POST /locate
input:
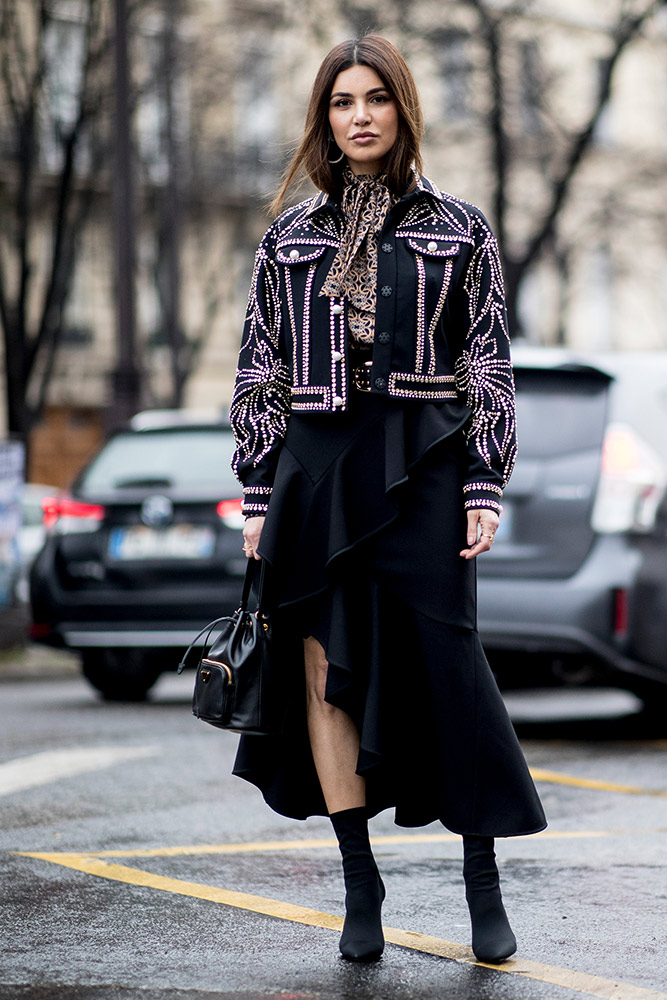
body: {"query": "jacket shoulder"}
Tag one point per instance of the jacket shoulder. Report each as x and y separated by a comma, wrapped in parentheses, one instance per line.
(298, 220)
(293, 215)
(445, 209)
(283, 222)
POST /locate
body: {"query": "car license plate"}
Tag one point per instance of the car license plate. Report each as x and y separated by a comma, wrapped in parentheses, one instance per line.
(179, 541)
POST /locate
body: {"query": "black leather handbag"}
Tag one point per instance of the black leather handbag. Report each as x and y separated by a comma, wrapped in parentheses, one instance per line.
(237, 683)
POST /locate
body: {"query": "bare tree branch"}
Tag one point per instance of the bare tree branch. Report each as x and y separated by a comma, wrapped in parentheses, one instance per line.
(61, 262)
(30, 346)
(7, 35)
(5, 320)
(17, 68)
(626, 30)
(492, 25)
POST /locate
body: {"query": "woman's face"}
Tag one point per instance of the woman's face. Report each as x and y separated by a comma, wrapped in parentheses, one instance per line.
(363, 118)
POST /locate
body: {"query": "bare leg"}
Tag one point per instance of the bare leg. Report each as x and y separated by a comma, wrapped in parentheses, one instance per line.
(334, 739)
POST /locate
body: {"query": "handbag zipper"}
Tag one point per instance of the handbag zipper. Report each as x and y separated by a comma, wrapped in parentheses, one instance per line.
(219, 663)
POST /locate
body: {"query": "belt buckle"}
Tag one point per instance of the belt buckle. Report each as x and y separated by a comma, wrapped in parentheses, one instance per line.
(361, 377)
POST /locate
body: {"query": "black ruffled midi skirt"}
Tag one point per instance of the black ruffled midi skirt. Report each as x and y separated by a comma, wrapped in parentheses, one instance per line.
(363, 535)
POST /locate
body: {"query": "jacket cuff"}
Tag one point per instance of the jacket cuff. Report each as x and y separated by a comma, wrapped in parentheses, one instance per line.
(256, 500)
(488, 495)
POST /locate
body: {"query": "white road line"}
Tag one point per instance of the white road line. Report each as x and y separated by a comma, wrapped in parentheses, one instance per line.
(52, 765)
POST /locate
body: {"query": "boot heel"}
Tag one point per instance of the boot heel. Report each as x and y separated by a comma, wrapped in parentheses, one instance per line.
(362, 939)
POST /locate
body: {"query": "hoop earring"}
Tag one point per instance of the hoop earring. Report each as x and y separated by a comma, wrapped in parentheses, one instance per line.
(331, 139)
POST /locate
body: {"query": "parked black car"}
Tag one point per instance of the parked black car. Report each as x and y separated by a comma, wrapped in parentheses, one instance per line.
(142, 551)
(576, 584)
(146, 547)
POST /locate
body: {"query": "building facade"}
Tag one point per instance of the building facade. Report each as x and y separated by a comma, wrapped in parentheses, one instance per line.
(221, 88)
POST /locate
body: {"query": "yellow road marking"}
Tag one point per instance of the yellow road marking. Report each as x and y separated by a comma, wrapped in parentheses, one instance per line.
(580, 982)
(601, 786)
(324, 842)
(241, 900)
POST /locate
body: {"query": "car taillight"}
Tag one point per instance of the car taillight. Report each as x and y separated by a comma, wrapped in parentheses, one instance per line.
(632, 483)
(621, 613)
(229, 511)
(39, 630)
(66, 514)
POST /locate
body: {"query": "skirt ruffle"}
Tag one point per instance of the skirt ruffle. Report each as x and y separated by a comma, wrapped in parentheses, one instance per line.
(363, 535)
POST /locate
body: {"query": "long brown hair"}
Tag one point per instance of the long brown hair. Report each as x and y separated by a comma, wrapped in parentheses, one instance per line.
(315, 148)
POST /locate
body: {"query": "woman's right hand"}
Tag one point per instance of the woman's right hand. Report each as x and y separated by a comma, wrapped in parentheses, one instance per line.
(252, 530)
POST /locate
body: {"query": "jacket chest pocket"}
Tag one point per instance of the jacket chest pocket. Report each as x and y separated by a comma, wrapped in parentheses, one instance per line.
(435, 260)
(299, 262)
(297, 255)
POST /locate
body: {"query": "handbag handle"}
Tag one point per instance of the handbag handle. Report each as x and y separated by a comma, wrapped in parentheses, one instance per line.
(243, 607)
(247, 583)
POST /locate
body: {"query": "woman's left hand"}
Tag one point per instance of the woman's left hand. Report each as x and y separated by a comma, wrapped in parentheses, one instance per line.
(482, 526)
(252, 532)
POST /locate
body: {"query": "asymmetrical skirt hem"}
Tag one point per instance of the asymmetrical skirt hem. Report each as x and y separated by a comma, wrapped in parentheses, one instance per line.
(363, 535)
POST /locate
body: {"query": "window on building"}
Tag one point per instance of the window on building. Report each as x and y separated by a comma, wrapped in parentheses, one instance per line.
(603, 127)
(76, 336)
(152, 106)
(455, 75)
(596, 293)
(149, 306)
(162, 117)
(64, 57)
(530, 87)
(82, 307)
(256, 115)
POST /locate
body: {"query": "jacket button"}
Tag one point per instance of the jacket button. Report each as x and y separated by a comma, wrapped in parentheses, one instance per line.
(337, 401)
(336, 355)
(432, 246)
(380, 383)
(386, 291)
(384, 337)
(294, 254)
(387, 247)
(337, 309)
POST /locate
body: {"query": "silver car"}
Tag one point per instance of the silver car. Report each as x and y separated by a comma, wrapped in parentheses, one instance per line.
(575, 587)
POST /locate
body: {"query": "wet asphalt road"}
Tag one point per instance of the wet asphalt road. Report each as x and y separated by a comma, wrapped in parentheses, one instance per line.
(589, 897)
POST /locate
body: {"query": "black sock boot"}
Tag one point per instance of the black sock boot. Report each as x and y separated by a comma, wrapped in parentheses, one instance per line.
(362, 939)
(492, 936)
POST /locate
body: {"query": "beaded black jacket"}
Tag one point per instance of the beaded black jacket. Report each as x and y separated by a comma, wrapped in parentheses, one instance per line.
(440, 335)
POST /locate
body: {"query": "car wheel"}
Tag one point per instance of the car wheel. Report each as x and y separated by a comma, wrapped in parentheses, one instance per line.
(121, 674)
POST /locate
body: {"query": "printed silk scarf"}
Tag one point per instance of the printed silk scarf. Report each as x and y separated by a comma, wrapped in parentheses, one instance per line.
(353, 274)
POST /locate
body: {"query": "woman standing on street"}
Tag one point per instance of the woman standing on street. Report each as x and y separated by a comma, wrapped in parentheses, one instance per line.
(374, 417)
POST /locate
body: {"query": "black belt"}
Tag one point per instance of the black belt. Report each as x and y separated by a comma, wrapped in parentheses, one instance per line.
(360, 376)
